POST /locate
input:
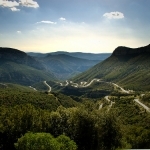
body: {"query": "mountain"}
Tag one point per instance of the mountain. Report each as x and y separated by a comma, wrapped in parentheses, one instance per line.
(37, 54)
(89, 56)
(126, 66)
(17, 56)
(65, 66)
(17, 67)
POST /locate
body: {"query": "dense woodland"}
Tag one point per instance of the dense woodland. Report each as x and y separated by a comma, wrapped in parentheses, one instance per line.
(27, 117)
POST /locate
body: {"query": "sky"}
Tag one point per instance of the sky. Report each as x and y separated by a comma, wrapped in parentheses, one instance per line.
(95, 26)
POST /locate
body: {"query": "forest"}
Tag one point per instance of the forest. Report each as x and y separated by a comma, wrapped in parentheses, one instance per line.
(71, 125)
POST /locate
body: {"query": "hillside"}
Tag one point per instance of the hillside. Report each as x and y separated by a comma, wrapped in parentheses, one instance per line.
(14, 94)
(126, 66)
(64, 66)
(17, 67)
(20, 57)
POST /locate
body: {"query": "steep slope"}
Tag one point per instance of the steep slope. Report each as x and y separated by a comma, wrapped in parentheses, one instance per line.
(65, 66)
(126, 66)
(17, 67)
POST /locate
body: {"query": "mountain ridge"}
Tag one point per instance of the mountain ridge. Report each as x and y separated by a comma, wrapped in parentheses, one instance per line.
(65, 66)
(121, 50)
(125, 66)
(90, 56)
(15, 55)
(17, 67)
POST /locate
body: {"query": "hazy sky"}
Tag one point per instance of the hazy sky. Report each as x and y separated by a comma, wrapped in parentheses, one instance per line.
(96, 26)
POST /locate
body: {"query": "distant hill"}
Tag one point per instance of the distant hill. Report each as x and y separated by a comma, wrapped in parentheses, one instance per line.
(17, 67)
(68, 64)
(37, 54)
(126, 66)
(64, 66)
(89, 56)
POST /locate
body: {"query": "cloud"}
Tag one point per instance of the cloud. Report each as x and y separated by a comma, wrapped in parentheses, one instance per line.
(9, 4)
(29, 3)
(19, 32)
(47, 22)
(13, 4)
(114, 15)
(14, 9)
(62, 19)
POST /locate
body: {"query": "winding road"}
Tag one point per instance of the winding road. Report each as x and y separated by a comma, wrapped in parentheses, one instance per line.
(100, 106)
(82, 84)
(85, 84)
(33, 88)
(67, 83)
(144, 106)
(111, 102)
(123, 90)
(107, 98)
(49, 90)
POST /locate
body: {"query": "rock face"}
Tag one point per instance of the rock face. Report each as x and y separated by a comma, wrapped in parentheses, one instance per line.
(17, 56)
(124, 51)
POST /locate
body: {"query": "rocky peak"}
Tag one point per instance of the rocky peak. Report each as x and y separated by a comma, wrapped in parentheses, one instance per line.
(124, 51)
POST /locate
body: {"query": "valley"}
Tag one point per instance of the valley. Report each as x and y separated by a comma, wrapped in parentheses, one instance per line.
(74, 75)
(65, 65)
(105, 106)
(86, 84)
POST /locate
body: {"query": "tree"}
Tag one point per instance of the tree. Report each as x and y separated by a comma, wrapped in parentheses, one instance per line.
(66, 143)
(109, 133)
(37, 141)
(44, 141)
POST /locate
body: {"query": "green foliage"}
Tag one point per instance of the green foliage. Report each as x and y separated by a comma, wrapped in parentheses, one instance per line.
(146, 99)
(138, 137)
(135, 123)
(83, 125)
(66, 143)
(125, 125)
(17, 95)
(44, 141)
(110, 134)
